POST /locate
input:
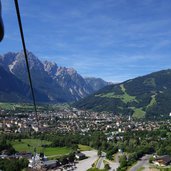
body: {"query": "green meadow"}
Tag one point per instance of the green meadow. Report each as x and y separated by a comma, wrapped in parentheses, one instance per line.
(28, 145)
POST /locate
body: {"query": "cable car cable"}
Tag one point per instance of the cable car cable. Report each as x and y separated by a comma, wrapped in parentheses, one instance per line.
(1, 24)
(26, 58)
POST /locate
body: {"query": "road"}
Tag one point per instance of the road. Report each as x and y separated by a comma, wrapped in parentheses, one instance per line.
(114, 164)
(85, 164)
(141, 163)
(100, 164)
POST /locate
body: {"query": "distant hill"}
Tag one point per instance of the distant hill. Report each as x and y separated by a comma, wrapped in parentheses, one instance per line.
(96, 83)
(143, 97)
(52, 82)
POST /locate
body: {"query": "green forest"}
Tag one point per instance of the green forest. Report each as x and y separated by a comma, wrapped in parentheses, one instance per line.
(147, 97)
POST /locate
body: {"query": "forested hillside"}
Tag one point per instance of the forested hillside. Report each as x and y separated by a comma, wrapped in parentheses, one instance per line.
(147, 96)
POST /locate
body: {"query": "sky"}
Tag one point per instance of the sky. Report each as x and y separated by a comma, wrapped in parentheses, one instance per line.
(115, 40)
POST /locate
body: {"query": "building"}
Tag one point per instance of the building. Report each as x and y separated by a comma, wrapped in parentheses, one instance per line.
(80, 156)
(162, 161)
(50, 164)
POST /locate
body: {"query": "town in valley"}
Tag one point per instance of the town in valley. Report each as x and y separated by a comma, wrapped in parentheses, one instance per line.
(116, 135)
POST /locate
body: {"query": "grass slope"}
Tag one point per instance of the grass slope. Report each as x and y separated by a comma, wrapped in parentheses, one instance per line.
(153, 101)
(125, 97)
(138, 113)
(84, 147)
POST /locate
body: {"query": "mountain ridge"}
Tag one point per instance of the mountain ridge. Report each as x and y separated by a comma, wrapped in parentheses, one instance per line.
(146, 96)
(59, 84)
(96, 83)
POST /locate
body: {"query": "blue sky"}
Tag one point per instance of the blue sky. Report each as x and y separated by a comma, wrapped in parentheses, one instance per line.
(112, 39)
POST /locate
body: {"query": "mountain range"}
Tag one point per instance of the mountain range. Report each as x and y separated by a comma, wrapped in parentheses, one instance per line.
(51, 82)
(147, 96)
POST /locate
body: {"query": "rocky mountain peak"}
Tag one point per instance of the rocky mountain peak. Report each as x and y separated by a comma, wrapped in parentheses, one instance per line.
(59, 84)
(50, 67)
(71, 71)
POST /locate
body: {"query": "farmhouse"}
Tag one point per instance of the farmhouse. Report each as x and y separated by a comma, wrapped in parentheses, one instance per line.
(80, 156)
(50, 164)
(162, 161)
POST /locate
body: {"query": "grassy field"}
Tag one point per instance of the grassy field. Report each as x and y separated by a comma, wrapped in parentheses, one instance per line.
(50, 151)
(7, 106)
(124, 97)
(19, 106)
(141, 169)
(28, 145)
(152, 102)
(138, 113)
(84, 147)
(30, 107)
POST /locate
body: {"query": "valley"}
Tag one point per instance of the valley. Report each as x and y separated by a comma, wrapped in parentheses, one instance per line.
(65, 131)
(85, 85)
(114, 125)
